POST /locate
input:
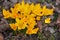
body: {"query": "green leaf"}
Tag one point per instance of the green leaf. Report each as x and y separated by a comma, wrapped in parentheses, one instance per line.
(55, 16)
(42, 0)
(23, 31)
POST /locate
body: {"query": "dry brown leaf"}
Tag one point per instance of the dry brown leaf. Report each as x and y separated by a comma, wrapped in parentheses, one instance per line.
(39, 24)
(1, 37)
(58, 23)
(58, 20)
(58, 1)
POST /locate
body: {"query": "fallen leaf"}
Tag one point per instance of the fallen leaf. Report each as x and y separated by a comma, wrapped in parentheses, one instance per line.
(58, 1)
(1, 37)
(39, 24)
(58, 20)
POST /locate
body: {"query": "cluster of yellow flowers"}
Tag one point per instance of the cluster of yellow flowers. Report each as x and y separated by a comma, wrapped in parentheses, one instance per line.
(26, 15)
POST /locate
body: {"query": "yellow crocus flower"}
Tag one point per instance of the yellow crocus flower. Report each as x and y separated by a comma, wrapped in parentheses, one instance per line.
(25, 20)
(47, 20)
(32, 7)
(49, 11)
(13, 26)
(35, 30)
(32, 31)
(33, 15)
(27, 9)
(19, 23)
(38, 18)
(14, 15)
(26, 14)
(31, 24)
(6, 13)
(37, 10)
(29, 31)
(44, 10)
